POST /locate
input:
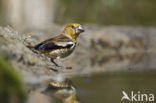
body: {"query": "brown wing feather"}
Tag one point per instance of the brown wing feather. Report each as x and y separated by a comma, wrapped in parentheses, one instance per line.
(52, 43)
(60, 38)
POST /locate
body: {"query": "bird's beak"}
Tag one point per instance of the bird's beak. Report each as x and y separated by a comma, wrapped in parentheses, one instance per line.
(79, 29)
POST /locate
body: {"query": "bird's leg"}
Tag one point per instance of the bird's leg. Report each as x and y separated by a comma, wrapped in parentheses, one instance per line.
(52, 60)
(49, 63)
(61, 64)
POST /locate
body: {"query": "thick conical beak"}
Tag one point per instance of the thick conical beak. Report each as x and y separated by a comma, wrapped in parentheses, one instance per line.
(79, 29)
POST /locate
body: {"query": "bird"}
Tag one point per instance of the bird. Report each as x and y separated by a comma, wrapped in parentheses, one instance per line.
(60, 46)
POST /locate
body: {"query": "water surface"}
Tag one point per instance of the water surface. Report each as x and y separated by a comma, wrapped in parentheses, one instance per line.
(108, 87)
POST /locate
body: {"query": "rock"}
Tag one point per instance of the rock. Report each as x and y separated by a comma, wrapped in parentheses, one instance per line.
(99, 49)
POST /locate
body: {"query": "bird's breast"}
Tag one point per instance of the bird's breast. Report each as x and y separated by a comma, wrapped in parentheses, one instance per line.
(61, 52)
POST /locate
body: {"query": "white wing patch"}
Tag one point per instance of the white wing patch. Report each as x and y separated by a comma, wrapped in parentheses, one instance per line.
(64, 44)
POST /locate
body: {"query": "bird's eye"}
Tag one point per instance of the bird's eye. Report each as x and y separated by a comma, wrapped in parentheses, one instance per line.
(72, 27)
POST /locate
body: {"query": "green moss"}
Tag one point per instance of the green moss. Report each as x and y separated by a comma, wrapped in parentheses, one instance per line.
(11, 86)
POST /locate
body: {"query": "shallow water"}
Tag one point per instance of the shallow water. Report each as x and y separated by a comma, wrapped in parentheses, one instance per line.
(108, 87)
(105, 88)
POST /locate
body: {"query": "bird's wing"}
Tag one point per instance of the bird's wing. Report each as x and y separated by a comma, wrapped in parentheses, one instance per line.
(58, 42)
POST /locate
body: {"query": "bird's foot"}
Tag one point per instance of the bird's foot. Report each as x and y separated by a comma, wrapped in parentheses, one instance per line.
(55, 70)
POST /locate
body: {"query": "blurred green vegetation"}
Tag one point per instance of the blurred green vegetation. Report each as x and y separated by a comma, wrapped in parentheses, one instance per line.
(1, 14)
(103, 12)
(107, 12)
(11, 86)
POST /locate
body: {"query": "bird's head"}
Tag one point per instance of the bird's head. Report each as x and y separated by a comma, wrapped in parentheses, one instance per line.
(73, 30)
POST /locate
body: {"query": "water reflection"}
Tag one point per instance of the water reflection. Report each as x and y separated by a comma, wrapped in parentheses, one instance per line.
(64, 91)
(98, 87)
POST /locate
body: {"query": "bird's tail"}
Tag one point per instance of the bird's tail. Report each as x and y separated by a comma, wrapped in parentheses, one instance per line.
(31, 47)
